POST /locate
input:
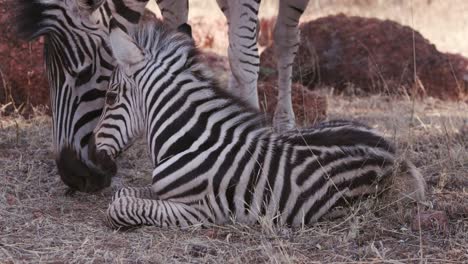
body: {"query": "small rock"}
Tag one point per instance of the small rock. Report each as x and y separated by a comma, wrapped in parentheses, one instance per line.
(212, 233)
(431, 221)
(199, 251)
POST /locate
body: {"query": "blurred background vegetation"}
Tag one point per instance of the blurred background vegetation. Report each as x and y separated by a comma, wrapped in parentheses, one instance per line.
(443, 22)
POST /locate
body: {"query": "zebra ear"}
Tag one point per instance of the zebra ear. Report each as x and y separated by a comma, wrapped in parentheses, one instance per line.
(185, 28)
(125, 50)
(89, 5)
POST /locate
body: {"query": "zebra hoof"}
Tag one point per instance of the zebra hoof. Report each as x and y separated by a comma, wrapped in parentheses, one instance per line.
(282, 126)
(283, 121)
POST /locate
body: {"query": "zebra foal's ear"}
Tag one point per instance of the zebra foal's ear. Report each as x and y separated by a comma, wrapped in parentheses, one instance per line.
(125, 50)
(90, 5)
(185, 28)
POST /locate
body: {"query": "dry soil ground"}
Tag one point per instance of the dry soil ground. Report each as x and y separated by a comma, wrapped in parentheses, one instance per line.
(39, 223)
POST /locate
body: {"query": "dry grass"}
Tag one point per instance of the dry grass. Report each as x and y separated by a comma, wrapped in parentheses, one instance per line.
(39, 223)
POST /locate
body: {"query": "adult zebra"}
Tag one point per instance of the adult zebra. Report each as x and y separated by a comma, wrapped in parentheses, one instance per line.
(214, 158)
(78, 65)
(242, 17)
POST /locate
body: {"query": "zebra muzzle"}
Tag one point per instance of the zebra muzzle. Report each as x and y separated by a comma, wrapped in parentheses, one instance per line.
(77, 175)
(101, 159)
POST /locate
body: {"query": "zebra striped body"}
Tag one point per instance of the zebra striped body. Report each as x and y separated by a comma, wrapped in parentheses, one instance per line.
(242, 18)
(215, 159)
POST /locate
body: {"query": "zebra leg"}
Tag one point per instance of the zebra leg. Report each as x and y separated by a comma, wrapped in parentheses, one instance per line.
(242, 18)
(286, 38)
(143, 192)
(131, 211)
(175, 13)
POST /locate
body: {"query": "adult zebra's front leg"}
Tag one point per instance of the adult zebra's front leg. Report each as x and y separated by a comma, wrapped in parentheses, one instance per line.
(242, 18)
(131, 211)
(286, 38)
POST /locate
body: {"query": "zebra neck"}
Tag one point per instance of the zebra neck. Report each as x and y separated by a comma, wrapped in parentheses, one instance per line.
(190, 113)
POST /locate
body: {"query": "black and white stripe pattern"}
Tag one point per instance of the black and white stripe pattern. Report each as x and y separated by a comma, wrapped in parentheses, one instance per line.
(242, 18)
(215, 159)
(78, 65)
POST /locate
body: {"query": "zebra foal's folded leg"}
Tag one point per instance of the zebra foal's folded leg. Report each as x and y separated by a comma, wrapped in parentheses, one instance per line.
(142, 192)
(286, 38)
(131, 211)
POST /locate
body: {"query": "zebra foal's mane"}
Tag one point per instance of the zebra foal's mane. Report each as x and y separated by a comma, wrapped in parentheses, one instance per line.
(156, 38)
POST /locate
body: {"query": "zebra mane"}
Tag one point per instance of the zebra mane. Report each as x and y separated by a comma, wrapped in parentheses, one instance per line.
(29, 18)
(156, 37)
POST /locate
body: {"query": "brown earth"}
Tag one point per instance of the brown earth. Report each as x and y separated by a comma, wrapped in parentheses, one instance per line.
(372, 55)
(39, 222)
(22, 78)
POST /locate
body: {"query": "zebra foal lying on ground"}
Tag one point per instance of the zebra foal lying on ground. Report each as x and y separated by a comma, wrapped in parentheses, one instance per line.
(215, 158)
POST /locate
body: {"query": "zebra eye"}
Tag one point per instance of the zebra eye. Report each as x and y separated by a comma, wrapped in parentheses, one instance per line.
(111, 97)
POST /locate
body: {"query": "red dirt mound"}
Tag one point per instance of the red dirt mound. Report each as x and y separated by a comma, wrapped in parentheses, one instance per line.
(22, 78)
(377, 56)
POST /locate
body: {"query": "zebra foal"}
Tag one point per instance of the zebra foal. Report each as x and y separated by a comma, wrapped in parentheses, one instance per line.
(215, 159)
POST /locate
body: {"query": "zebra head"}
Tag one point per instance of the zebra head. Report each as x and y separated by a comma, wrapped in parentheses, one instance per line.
(122, 120)
(78, 66)
(145, 61)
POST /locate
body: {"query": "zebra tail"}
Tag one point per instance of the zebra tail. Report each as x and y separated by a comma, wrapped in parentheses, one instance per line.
(419, 184)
